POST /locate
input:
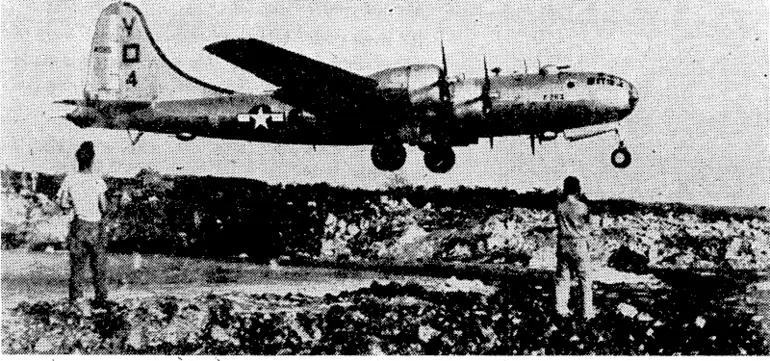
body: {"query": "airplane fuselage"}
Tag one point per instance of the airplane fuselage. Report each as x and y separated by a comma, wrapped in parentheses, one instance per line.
(520, 104)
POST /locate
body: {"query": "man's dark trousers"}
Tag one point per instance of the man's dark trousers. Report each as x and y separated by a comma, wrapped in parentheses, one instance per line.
(87, 244)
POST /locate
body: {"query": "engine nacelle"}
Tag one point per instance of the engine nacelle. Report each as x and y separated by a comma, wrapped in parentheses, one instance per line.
(83, 117)
(416, 79)
(552, 69)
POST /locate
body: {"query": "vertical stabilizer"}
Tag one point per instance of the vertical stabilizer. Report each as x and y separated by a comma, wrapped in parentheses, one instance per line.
(125, 60)
(122, 63)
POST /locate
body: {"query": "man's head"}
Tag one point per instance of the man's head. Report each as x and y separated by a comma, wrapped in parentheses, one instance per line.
(571, 186)
(85, 155)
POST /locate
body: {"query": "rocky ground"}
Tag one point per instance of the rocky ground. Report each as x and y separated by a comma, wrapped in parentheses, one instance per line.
(184, 306)
(391, 318)
(398, 232)
(676, 283)
(393, 230)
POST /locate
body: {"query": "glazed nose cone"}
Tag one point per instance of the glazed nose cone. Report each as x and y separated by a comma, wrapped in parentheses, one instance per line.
(633, 96)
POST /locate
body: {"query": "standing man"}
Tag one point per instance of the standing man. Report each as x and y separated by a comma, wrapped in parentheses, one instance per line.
(84, 192)
(572, 257)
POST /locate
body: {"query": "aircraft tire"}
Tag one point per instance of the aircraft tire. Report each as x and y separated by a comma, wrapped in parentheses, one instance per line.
(440, 159)
(388, 157)
(620, 158)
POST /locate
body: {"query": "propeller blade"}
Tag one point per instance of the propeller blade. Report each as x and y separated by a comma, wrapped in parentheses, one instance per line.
(486, 100)
(443, 83)
(532, 142)
(487, 82)
(443, 59)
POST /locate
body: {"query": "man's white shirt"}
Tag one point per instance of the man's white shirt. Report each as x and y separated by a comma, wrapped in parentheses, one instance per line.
(82, 191)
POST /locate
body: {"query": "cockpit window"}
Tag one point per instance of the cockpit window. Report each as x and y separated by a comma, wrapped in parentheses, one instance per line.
(604, 80)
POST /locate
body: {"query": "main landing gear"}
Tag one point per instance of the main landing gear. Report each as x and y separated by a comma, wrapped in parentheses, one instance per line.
(620, 157)
(388, 156)
(438, 154)
(439, 158)
(391, 156)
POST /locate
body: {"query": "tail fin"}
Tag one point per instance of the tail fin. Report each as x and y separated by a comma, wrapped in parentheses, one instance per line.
(122, 65)
(124, 60)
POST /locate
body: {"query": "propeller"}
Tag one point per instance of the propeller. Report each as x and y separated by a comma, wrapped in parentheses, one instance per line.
(445, 95)
(445, 107)
(484, 97)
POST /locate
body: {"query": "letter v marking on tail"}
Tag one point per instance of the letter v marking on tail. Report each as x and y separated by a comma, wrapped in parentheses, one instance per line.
(129, 26)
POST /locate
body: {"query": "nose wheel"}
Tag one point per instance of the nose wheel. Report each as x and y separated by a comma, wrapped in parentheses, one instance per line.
(620, 157)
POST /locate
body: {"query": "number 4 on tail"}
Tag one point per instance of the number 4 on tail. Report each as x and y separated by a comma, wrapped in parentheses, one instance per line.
(131, 80)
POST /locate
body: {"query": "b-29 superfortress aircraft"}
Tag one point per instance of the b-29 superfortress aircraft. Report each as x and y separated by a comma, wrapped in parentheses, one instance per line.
(320, 104)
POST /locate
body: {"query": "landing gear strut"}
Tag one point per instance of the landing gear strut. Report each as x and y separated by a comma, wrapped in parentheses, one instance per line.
(134, 138)
(439, 159)
(388, 156)
(620, 157)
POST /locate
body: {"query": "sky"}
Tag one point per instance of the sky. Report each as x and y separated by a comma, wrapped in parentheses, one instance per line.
(700, 133)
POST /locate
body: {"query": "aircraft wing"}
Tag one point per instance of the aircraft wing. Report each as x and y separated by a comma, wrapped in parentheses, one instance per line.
(305, 83)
